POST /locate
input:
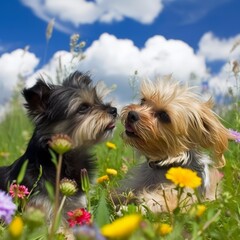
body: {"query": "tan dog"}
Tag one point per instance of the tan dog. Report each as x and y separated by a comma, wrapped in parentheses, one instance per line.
(170, 127)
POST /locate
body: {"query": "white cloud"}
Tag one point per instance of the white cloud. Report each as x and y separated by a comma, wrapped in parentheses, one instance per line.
(114, 60)
(85, 12)
(214, 48)
(15, 63)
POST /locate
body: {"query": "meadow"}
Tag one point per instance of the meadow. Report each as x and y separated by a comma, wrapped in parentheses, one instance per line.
(219, 219)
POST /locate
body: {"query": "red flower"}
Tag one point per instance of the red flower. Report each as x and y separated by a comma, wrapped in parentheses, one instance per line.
(19, 191)
(79, 216)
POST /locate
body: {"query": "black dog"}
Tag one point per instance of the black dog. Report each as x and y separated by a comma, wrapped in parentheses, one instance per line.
(74, 108)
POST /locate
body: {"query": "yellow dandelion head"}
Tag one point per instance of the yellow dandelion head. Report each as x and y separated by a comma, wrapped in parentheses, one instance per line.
(165, 229)
(122, 227)
(15, 228)
(111, 171)
(200, 209)
(102, 179)
(111, 145)
(183, 177)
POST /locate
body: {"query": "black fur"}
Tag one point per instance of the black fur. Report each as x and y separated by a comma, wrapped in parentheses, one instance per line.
(48, 106)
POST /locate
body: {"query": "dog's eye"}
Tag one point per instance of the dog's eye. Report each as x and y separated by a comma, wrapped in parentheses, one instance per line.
(163, 117)
(84, 107)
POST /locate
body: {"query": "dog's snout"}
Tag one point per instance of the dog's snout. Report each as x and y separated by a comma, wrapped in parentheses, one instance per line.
(133, 116)
(112, 111)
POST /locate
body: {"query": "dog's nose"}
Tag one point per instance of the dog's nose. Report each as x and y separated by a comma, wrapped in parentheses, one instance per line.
(133, 116)
(112, 111)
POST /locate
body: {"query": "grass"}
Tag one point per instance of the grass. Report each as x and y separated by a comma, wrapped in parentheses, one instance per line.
(221, 220)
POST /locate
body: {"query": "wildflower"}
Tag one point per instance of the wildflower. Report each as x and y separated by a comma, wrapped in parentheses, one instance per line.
(122, 227)
(111, 145)
(33, 217)
(15, 228)
(111, 171)
(165, 229)
(68, 187)
(183, 177)
(235, 135)
(102, 179)
(7, 207)
(89, 232)
(60, 143)
(19, 191)
(79, 217)
(200, 209)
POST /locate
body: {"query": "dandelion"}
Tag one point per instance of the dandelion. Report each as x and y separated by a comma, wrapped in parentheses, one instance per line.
(68, 187)
(15, 228)
(165, 229)
(200, 209)
(18, 191)
(102, 179)
(235, 135)
(183, 177)
(7, 207)
(61, 143)
(111, 145)
(78, 217)
(111, 171)
(122, 227)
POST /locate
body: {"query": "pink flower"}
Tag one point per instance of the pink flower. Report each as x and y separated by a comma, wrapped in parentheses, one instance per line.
(79, 216)
(19, 191)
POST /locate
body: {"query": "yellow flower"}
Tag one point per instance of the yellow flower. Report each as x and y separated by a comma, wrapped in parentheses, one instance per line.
(200, 209)
(15, 228)
(165, 229)
(183, 177)
(122, 227)
(111, 145)
(111, 171)
(103, 179)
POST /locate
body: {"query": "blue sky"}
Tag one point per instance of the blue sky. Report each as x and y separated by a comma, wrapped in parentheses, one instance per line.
(155, 37)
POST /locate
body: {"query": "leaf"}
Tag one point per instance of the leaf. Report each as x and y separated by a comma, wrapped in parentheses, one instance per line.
(50, 190)
(54, 157)
(22, 172)
(102, 214)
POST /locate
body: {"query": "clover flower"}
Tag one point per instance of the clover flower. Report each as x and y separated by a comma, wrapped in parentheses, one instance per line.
(19, 191)
(7, 207)
(89, 232)
(122, 227)
(15, 228)
(78, 216)
(60, 143)
(165, 229)
(68, 187)
(111, 145)
(183, 177)
(235, 135)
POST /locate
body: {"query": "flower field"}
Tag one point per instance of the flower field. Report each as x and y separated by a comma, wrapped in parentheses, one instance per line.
(101, 219)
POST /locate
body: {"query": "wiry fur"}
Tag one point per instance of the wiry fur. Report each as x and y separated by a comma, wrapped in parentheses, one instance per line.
(75, 109)
(170, 127)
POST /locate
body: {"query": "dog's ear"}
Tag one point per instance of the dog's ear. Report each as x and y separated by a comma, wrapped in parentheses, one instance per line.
(210, 133)
(77, 80)
(36, 98)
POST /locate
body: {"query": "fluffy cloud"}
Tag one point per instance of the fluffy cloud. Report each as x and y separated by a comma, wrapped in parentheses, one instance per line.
(14, 64)
(85, 12)
(214, 48)
(115, 60)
